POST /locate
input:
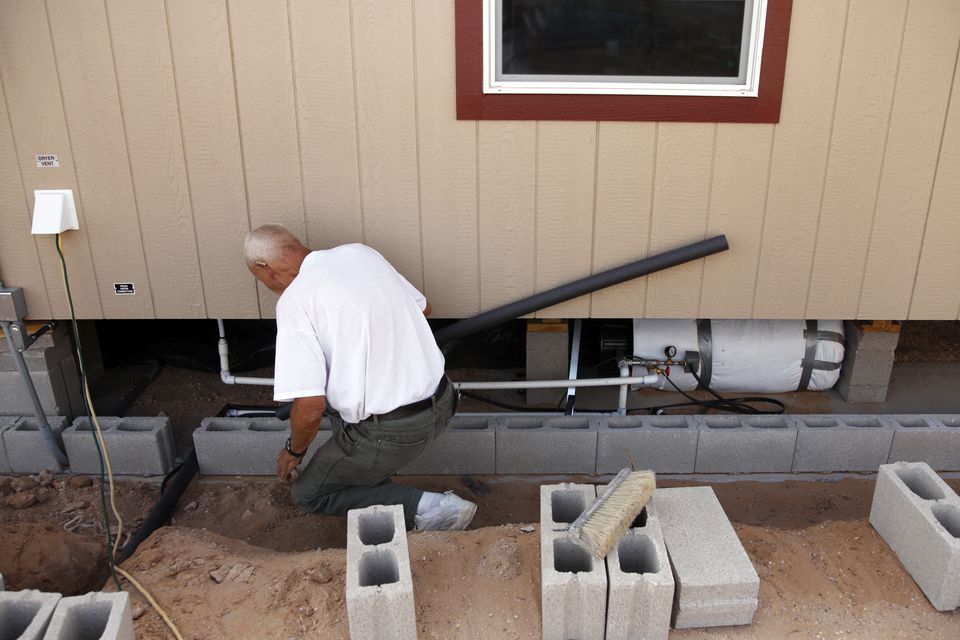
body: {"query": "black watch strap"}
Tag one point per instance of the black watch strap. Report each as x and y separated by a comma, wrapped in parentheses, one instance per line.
(295, 454)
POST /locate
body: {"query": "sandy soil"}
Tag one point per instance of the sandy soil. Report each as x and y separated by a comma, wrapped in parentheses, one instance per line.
(929, 341)
(824, 571)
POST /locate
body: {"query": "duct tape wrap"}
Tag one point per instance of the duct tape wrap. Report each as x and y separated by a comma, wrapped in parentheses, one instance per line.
(770, 356)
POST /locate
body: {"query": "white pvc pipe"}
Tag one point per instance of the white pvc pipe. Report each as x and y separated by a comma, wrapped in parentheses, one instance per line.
(622, 382)
(622, 402)
(225, 375)
(558, 384)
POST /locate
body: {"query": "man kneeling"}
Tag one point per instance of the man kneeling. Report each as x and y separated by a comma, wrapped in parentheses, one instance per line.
(353, 340)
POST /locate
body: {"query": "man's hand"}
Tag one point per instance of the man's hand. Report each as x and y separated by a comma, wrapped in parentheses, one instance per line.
(285, 464)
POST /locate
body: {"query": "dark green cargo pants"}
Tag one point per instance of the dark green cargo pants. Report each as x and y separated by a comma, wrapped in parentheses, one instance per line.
(352, 469)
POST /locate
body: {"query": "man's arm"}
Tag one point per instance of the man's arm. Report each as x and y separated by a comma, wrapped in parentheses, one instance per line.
(304, 422)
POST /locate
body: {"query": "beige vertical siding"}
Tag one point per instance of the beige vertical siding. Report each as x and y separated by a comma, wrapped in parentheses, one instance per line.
(506, 210)
(141, 48)
(741, 167)
(19, 262)
(681, 200)
(625, 161)
(936, 293)
(200, 43)
(181, 123)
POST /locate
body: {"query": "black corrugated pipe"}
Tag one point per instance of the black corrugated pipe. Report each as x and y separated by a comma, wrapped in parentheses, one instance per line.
(580, 287)
(161, 511)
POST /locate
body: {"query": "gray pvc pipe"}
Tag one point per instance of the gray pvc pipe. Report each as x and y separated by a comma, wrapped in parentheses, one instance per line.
(48, 436)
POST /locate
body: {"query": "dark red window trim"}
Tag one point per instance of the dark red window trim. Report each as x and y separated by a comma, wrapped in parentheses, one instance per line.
(473, 104)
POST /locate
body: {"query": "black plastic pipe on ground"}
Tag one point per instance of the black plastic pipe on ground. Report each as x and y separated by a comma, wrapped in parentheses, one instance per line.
(581, 287)
(161, 511)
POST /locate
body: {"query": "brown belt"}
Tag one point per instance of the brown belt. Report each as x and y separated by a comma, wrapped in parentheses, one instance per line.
(414, 407)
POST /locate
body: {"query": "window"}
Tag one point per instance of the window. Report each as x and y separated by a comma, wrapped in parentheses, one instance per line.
(631, 47)
(680, 60)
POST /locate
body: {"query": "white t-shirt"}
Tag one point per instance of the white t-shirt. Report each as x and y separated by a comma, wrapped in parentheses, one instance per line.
(349, 327)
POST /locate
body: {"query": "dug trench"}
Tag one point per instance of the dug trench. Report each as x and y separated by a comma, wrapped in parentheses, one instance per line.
(240, 561)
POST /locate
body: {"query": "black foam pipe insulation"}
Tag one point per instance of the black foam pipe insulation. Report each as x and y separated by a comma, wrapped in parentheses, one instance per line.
(571, 290)
(164, 507)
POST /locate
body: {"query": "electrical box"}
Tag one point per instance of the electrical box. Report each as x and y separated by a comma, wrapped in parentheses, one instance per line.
(13, 306)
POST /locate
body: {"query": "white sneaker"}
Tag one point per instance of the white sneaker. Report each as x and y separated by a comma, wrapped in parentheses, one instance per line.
(451, 513)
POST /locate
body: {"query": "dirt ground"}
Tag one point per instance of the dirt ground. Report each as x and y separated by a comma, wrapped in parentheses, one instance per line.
(241, 562)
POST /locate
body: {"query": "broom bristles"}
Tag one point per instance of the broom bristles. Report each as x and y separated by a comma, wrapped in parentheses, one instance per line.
(616, 510)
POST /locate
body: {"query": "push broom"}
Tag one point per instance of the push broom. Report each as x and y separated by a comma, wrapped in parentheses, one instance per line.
(606, 520)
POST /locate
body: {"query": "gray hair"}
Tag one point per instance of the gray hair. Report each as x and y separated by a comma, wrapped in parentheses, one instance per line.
(267, 243)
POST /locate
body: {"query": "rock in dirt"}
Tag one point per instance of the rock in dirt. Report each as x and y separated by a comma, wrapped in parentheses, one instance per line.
(138, 611)
(503, 560)
(79, 482)
(21, 500)
(191, 506)
(529, 528)
(320, 576)
(23, 483)
(45, 478)
(239, 572)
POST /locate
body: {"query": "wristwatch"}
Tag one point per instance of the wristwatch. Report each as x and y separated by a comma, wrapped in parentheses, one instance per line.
(295, 454)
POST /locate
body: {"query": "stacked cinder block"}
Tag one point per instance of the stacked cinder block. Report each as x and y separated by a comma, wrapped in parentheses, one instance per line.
(830, 443)
(663, 444)
(745, 444)
(26, 450)
(918, 515)
(547, 445)
(246, 446)
(24, 615)
(573, 583)
(467, 446)
(6, 422)
(53, 370)
(867, 361)
(547, 358)
(641, 590)
(137, 446)
(927, 438)
(716, 584)
(104, 616)
(379, 583)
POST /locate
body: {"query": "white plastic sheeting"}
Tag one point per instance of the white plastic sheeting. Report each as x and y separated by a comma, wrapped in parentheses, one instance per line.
(750, 356)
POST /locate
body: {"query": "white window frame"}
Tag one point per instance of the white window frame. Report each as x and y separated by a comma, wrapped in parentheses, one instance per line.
(751, 53)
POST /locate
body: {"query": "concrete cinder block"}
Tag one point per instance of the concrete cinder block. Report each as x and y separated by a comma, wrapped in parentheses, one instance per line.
(99, 615)
(247, 446)
(547, 445)
(830, 443)
(51, 389)
(547, 358)
(926, 438)
(640, 599)
(918, 515)
(26, 450)
(869, 340)
(745, 444)
(137, 446)
(60, 331)
(716, 584)
(38, 358)
(6, 422)
(467, 446)
(573, 583)
(855, 394)
(663, 444)
(868, 368)
(380, 601)
(24, 615)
